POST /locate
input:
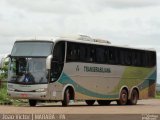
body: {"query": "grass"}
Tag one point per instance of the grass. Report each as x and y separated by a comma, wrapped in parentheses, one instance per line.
(5, 100)
(158, 95)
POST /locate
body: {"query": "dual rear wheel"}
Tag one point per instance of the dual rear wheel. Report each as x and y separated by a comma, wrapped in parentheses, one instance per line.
(134, 98)
(124, 97)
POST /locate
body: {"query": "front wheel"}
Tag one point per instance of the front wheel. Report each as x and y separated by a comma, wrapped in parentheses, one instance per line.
(90, 102)
(32, 102)
(123, 98)
(66, 99)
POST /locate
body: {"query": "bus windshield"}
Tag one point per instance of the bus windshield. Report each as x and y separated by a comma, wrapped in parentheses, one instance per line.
(28, 71)
(32, 49)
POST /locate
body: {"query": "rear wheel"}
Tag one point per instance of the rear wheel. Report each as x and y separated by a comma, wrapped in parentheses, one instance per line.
(90, 102)
(66, 99)
(123, 97)
(134, 97)
(103, 102)
(32, 102)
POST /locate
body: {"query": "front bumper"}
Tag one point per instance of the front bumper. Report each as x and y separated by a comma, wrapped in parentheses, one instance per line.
(28, 95)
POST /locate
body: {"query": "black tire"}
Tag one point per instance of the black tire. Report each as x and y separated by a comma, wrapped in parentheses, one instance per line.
(32, 102)
(134, 98)
(66, 99)
(123, 97)
(90, 102)
(104, 102)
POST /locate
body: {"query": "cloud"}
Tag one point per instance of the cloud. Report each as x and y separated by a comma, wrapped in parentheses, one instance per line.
(127, 25)
(123, 22)
(78, 6)
(129, 3)
(49, 6)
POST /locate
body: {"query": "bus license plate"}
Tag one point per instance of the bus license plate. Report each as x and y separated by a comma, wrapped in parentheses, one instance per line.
(24, 95)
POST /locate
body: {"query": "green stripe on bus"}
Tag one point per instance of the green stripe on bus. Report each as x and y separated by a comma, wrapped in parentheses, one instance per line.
(67, 80)
(134, 76)
(148, 81)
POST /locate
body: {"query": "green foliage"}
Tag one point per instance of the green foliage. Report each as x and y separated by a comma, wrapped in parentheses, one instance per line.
(3, 85)
(5, 70)
(158, 95)
(3, 95)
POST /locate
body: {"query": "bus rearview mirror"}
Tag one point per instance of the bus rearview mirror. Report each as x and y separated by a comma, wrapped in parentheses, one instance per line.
(48, 62)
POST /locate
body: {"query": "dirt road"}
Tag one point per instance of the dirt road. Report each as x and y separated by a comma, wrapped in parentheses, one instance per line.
(151, 106)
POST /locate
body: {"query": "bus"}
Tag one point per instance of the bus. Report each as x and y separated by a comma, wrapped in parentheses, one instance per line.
(80, 68)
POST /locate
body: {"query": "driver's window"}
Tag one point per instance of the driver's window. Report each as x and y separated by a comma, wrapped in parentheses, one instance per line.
(57, 61)
(21, 65)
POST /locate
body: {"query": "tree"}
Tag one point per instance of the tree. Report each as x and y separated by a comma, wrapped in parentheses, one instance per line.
(4, 68)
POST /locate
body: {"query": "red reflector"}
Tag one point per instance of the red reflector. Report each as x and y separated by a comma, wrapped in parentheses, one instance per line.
(23, 95)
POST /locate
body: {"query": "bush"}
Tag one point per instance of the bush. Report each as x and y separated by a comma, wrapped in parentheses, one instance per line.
(3, 95)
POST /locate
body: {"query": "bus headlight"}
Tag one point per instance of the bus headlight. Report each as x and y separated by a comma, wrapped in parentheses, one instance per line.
(41, 90)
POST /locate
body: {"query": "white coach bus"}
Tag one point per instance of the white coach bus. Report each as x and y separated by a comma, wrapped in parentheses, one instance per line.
(80, 68)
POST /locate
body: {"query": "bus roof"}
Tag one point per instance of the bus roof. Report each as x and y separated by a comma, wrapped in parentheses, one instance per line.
(81, 39)
(50, 39)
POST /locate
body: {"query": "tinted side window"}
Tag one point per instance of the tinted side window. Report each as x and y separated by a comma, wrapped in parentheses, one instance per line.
(151, 59)
(112, 55)
(100, 54)
(72, 52)
(59, 52)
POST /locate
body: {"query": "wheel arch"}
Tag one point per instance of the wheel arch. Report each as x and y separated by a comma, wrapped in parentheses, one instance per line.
(123, 87)
(71, 91)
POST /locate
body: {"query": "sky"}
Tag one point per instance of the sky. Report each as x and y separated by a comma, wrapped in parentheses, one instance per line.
(134, 23)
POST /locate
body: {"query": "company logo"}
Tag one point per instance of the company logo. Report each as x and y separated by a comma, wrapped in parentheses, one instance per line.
(94, 69)
(97, 69)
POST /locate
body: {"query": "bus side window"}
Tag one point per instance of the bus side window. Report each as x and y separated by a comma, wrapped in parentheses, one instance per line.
(144, 59)
(133, 58)
(152, 59)
(100, 54)
(85, 53)
(128, 56)
(122, 57)
(82, 53)
(110, 56)
(138, 55)
(92, 53)
(106, 54)
(72, 52)
(117, 56)
(88, 55)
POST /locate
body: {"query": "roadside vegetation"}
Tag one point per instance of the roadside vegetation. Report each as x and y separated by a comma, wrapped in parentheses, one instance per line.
(4, 99)
(3, 85)
(158, 95)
